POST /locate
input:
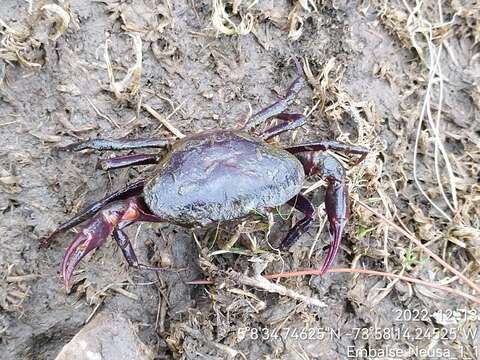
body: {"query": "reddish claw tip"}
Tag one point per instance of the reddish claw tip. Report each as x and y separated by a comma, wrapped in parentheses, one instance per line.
(336, 205)
(90, 238)
(336, 230)
(75, 252)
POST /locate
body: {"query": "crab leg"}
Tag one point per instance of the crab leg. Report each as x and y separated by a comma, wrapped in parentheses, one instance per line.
(119, 144)
(291, 121)
(330, 145)
(127, 249)
(337, 208)
(336, 196)
(131, 189)
(118, 214)
(301, 203)
(127, 160)
(280, 105)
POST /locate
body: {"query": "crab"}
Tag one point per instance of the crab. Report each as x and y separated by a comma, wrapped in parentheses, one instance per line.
(212, 177)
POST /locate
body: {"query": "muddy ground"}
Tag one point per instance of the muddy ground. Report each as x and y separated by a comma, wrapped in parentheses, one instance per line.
(368, 68)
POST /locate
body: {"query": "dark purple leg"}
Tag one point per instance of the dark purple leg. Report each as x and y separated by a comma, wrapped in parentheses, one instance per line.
(291, 121)
(120, 144)
(124, 242)
(127, 160)
(302, 204)
(280, 105)
(336, 195)
(330, 145)
(132, 189)
(116, 215)
(337, 208)
(128, 253)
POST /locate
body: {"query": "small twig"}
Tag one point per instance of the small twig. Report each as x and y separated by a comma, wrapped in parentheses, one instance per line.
(357, 271)
(8, 123)
(176, 109)
(162, 306)
(261, 282)
(99, 113)
(379, 273)
(94, 311)
(124, 292)
(22, 278)
(164, 121)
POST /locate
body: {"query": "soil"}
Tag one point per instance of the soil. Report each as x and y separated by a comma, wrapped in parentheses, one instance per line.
(206, 80)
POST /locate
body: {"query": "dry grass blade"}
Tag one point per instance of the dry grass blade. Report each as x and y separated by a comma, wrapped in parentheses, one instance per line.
(21, 43)
(131, 81)
(21, 278)
(295, 23)
(102, 115)
(421, 32)
(295, 18)
(222, 23)
(438, 144)
(307, 3)
(62, 21)
(14, 43)
(10, 30)
(466, 237)
(164, 121)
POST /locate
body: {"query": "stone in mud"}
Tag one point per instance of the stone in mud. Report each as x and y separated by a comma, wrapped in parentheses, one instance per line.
(107, 337)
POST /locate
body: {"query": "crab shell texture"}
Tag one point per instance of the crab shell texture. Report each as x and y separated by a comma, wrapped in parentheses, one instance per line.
(221, 175)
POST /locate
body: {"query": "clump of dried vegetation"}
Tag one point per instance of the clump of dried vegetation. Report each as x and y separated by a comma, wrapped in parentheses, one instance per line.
(14, 288)
(21, 42)
(237, 17)
(441, 155)
(222, 19)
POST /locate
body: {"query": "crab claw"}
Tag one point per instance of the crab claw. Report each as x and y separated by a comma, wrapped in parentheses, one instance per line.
(92, 236)
(336, 205)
